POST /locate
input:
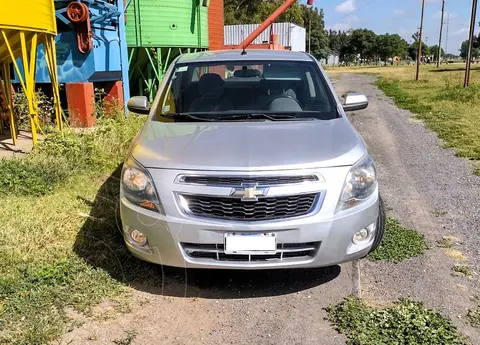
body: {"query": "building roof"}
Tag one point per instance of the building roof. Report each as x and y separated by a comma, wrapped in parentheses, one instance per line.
(252, 55)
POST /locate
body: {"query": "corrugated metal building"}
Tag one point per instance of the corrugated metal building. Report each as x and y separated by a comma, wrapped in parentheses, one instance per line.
(290, 36)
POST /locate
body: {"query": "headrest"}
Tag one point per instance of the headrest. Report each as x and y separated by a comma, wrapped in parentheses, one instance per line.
(210, 84)
(246, 73)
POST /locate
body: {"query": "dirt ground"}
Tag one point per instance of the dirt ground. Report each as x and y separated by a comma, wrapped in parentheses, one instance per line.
(424, 186)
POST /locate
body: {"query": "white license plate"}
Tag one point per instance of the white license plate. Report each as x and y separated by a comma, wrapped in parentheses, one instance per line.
(250, 243)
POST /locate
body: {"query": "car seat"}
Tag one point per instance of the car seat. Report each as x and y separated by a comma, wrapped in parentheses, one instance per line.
(210, 87)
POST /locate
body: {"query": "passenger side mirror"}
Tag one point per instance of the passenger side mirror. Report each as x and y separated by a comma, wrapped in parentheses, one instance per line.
(355, 101)
(138, 104)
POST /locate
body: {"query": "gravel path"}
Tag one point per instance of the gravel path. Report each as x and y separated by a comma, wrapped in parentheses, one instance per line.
(429, 189)
(425, 187)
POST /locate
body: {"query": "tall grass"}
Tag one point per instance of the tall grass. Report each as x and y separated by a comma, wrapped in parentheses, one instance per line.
(46, 209)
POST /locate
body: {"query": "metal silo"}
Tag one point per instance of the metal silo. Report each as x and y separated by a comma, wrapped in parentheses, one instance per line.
(157, 32)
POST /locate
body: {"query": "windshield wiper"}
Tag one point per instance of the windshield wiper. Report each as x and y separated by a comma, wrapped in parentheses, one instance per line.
(271, 117)
(186, 116)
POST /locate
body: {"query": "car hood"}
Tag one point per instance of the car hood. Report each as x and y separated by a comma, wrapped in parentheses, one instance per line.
(252, 146)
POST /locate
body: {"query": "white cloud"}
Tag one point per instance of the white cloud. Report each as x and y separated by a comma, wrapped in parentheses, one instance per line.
(460, 31)
(398, 11)
(348, 6)
(348, 23)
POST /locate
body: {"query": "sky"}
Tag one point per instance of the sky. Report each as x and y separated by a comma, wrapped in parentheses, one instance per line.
(402, 17)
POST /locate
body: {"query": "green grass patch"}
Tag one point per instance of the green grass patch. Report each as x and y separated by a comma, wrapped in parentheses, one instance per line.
(399, 243)
(463, 270)
(60, 157)
(60, 240)
(406, 322)
(445, 106)
(473, 317)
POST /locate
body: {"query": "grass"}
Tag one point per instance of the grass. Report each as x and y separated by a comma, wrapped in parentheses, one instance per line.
(399, 243)
(439, 99)
(473, 317)
(406, 322)
(62, 248)
(462, 269)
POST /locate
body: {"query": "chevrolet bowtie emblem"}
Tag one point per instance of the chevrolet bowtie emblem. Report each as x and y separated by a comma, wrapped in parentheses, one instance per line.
(249, 192)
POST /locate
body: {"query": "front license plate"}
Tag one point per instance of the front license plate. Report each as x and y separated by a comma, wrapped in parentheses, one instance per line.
(250, 243)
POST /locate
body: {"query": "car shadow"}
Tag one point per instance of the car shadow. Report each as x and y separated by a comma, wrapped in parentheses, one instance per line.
(100, 244)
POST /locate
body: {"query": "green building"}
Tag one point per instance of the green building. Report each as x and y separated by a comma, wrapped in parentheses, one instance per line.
(157, 32)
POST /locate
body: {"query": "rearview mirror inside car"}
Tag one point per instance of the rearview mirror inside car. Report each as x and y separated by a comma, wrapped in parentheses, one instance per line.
(138, 104)
(355, 101)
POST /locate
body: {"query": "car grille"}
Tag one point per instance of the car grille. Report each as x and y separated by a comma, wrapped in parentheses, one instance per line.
(285, 251)
(238, 180)
(266, 208)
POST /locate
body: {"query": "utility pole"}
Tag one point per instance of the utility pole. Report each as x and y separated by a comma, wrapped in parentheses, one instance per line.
(440, 38)
(310, 34)
(446, 38)
(419, 52)
(470, 43)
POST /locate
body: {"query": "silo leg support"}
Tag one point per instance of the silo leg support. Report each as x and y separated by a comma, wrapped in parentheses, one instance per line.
(7, 92)
(51, 58)
(29, 70)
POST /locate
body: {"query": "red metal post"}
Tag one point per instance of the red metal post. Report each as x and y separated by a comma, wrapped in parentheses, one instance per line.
(81, 104)
(266, 23)
(114, 97)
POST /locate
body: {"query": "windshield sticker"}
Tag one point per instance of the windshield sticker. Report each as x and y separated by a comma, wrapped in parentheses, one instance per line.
(182, 69)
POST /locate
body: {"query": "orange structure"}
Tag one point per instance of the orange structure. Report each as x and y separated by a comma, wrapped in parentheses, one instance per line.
(215, 25)
(273, 44)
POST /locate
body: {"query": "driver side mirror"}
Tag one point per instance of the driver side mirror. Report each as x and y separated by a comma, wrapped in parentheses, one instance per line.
(355, 101)
(139, 105)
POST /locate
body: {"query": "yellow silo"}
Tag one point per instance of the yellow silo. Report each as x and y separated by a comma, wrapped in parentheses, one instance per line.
(25, 24)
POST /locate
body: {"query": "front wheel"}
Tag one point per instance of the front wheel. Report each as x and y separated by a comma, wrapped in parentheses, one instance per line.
(380, 226)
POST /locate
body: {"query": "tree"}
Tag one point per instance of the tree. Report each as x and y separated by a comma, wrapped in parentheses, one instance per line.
(434, 52)
(389, 46)
(319, 41)
(363, 42)
(464, 50)
(412, 49)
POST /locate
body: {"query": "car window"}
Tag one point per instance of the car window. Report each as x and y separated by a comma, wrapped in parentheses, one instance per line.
(216, 91)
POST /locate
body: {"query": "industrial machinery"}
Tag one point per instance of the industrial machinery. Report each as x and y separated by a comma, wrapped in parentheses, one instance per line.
(23, 33)
(159, 30)
(90, 48)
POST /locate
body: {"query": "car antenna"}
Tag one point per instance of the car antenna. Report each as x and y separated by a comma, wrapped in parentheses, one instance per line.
(244, 52)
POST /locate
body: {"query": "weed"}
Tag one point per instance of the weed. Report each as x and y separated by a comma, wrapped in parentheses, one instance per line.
(399, 243)
(61, 156)
(473, 317)
(128, 340)
(45, 110)
(447, 242)
(406, 322)
(51, 258)
(462, 269)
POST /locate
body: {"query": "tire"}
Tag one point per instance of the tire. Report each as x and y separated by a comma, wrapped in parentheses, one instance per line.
(380, 228)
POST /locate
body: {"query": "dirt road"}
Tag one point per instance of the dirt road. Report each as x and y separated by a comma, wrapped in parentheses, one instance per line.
(425, 187)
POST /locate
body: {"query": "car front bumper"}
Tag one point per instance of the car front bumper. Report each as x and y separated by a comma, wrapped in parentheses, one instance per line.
(168, 234)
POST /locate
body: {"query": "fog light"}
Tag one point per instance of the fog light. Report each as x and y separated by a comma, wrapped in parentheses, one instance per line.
(360, 236)
(136, 237)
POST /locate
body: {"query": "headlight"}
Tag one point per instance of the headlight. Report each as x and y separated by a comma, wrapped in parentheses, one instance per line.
(138, 187)
(360, 183)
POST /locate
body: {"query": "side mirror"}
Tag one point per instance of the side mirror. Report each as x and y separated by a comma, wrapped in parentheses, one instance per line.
(355, 101)
(138, 104)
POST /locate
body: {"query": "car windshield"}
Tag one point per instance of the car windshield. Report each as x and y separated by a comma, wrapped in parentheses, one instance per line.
(239, 90)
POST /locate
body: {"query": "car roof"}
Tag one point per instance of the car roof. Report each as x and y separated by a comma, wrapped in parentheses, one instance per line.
(252, 55)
